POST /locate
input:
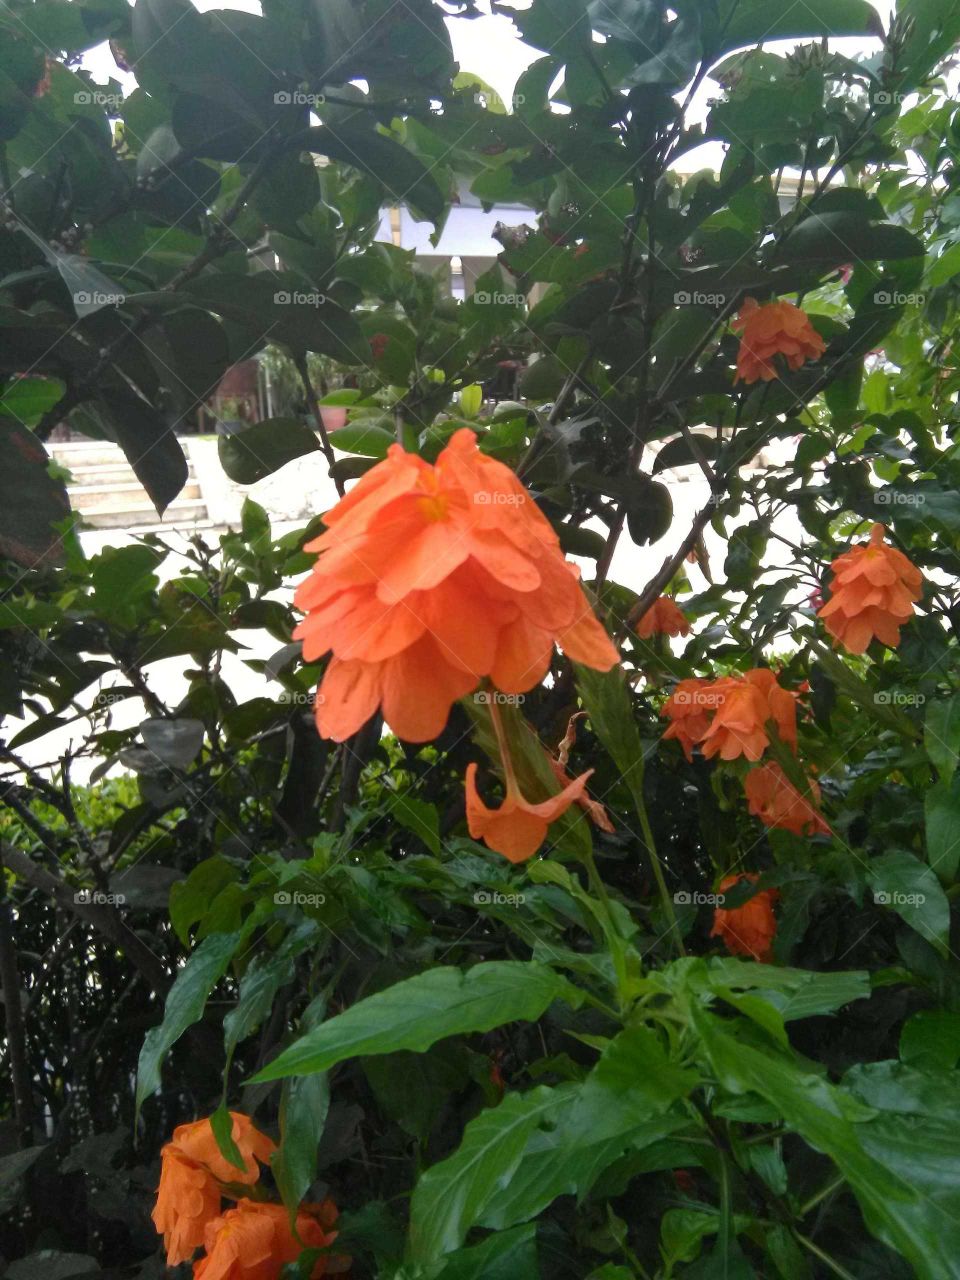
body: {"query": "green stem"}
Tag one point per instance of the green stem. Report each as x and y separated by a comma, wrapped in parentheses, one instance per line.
(825, 1258)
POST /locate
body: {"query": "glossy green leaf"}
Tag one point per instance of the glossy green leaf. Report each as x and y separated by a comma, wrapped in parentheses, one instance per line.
(418, 1012)
(260, 450)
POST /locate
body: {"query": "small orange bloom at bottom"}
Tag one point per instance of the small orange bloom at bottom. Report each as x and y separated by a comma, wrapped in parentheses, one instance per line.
(664, 617)
(518, 828)
(254, 1241)
(774, 799)
(748, 930)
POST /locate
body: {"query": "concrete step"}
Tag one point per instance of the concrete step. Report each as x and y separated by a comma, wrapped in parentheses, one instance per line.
(129, 494)
(88, 455)
(102, 473)
(130, 515)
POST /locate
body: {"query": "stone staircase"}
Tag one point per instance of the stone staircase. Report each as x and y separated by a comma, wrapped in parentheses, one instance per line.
(108, 495)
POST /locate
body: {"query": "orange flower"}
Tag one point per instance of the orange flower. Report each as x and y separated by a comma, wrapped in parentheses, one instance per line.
(518, 828)
(776, 328)
(196, 1142)
(741, 707)
(187, 1199)
(872, 594)
(664, 617)
(191, 1168)
(254, 1241)
(688, 709)
(593, 808)
(429, 578)
(748, 930)
(776, 802)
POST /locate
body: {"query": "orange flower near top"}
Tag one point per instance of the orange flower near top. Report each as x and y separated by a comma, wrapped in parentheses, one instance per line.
(196, 1142)
(664, 617)
(872, 594)
(774, 799)
(518, 828)
(188, 1198)
(728, 717)
(748, 930)
(775, 328)
(254, 1241)
(429, 578)
(191, 1169)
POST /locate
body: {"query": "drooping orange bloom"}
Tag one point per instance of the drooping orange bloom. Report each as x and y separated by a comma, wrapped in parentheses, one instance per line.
(872, 594)
(191, 1169)
(592, 808)
(688, 709)
(518, 828)
(187, 1199)
(775, 328)
(430, 577)
(254, 1241)
(196, 1142)
(748, 930)
(664, 617)
(728, 717)
(774, 799)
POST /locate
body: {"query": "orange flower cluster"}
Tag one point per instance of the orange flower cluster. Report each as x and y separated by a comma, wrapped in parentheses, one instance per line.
(250, 1242)
(748, 930)
(775, 328)
(872, 594)
(728, 717)
(664, 617)
(773, 799)
(429, 578)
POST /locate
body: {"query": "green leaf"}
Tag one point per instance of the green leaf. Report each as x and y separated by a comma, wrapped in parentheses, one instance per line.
(418, 1012)
(941, 734)
(931, 1039)
(400, 172)
(304, 1104)
(506, 1255)
(835, 238)
(747, 22)
(249, 455)
(184, 1006)
(942, 819)
(906, 885)
(31, 500)
(148, 441)
(419, 817)
(28, 399)
(367, 439)
(892, 1168)
(452, 1195)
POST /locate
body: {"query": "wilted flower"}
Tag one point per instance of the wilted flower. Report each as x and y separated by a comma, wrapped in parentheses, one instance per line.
(518, 828)
(664, 617)
(774, 799)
